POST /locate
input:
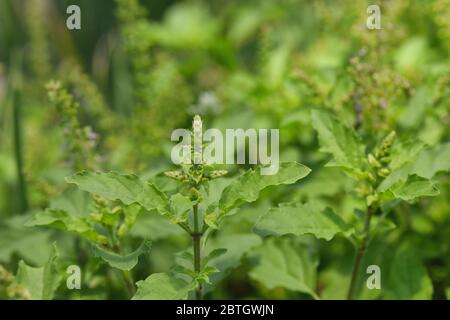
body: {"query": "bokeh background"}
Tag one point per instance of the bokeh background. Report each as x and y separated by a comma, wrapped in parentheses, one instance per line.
(139, 69)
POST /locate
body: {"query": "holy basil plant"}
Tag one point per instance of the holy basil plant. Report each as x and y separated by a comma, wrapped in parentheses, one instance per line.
(199, 203)
(385, 174)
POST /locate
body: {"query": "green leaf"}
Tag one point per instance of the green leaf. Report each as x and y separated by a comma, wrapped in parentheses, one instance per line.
(187, 26)
(432, 161)
(123, 262)
(236, 246)
(300, 219)
(126, 188)
(185, 256)
(413, 113)
(154, 227)
(131, 214)
(247, 187)
(180, 206)
(411, 53)
(62, 220)
(326, 182)
(40, 283)
(287, 264)
(29, 243)
(163, 286)
(211, 220)
(73, 201)
(341, 142)
(209, 270)
(408, 279)
(405, 152)
(203, 276)
(214, 254)
(428, 163)
(180, 269)
(410, 189)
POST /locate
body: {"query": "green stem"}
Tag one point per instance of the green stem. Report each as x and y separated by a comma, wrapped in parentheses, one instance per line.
(129, 282)
(196, 239)
(126, 275)
(360, 254)
(23, 199)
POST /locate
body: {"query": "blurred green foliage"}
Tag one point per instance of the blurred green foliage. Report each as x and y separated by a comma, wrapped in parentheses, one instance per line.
(108, 96)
